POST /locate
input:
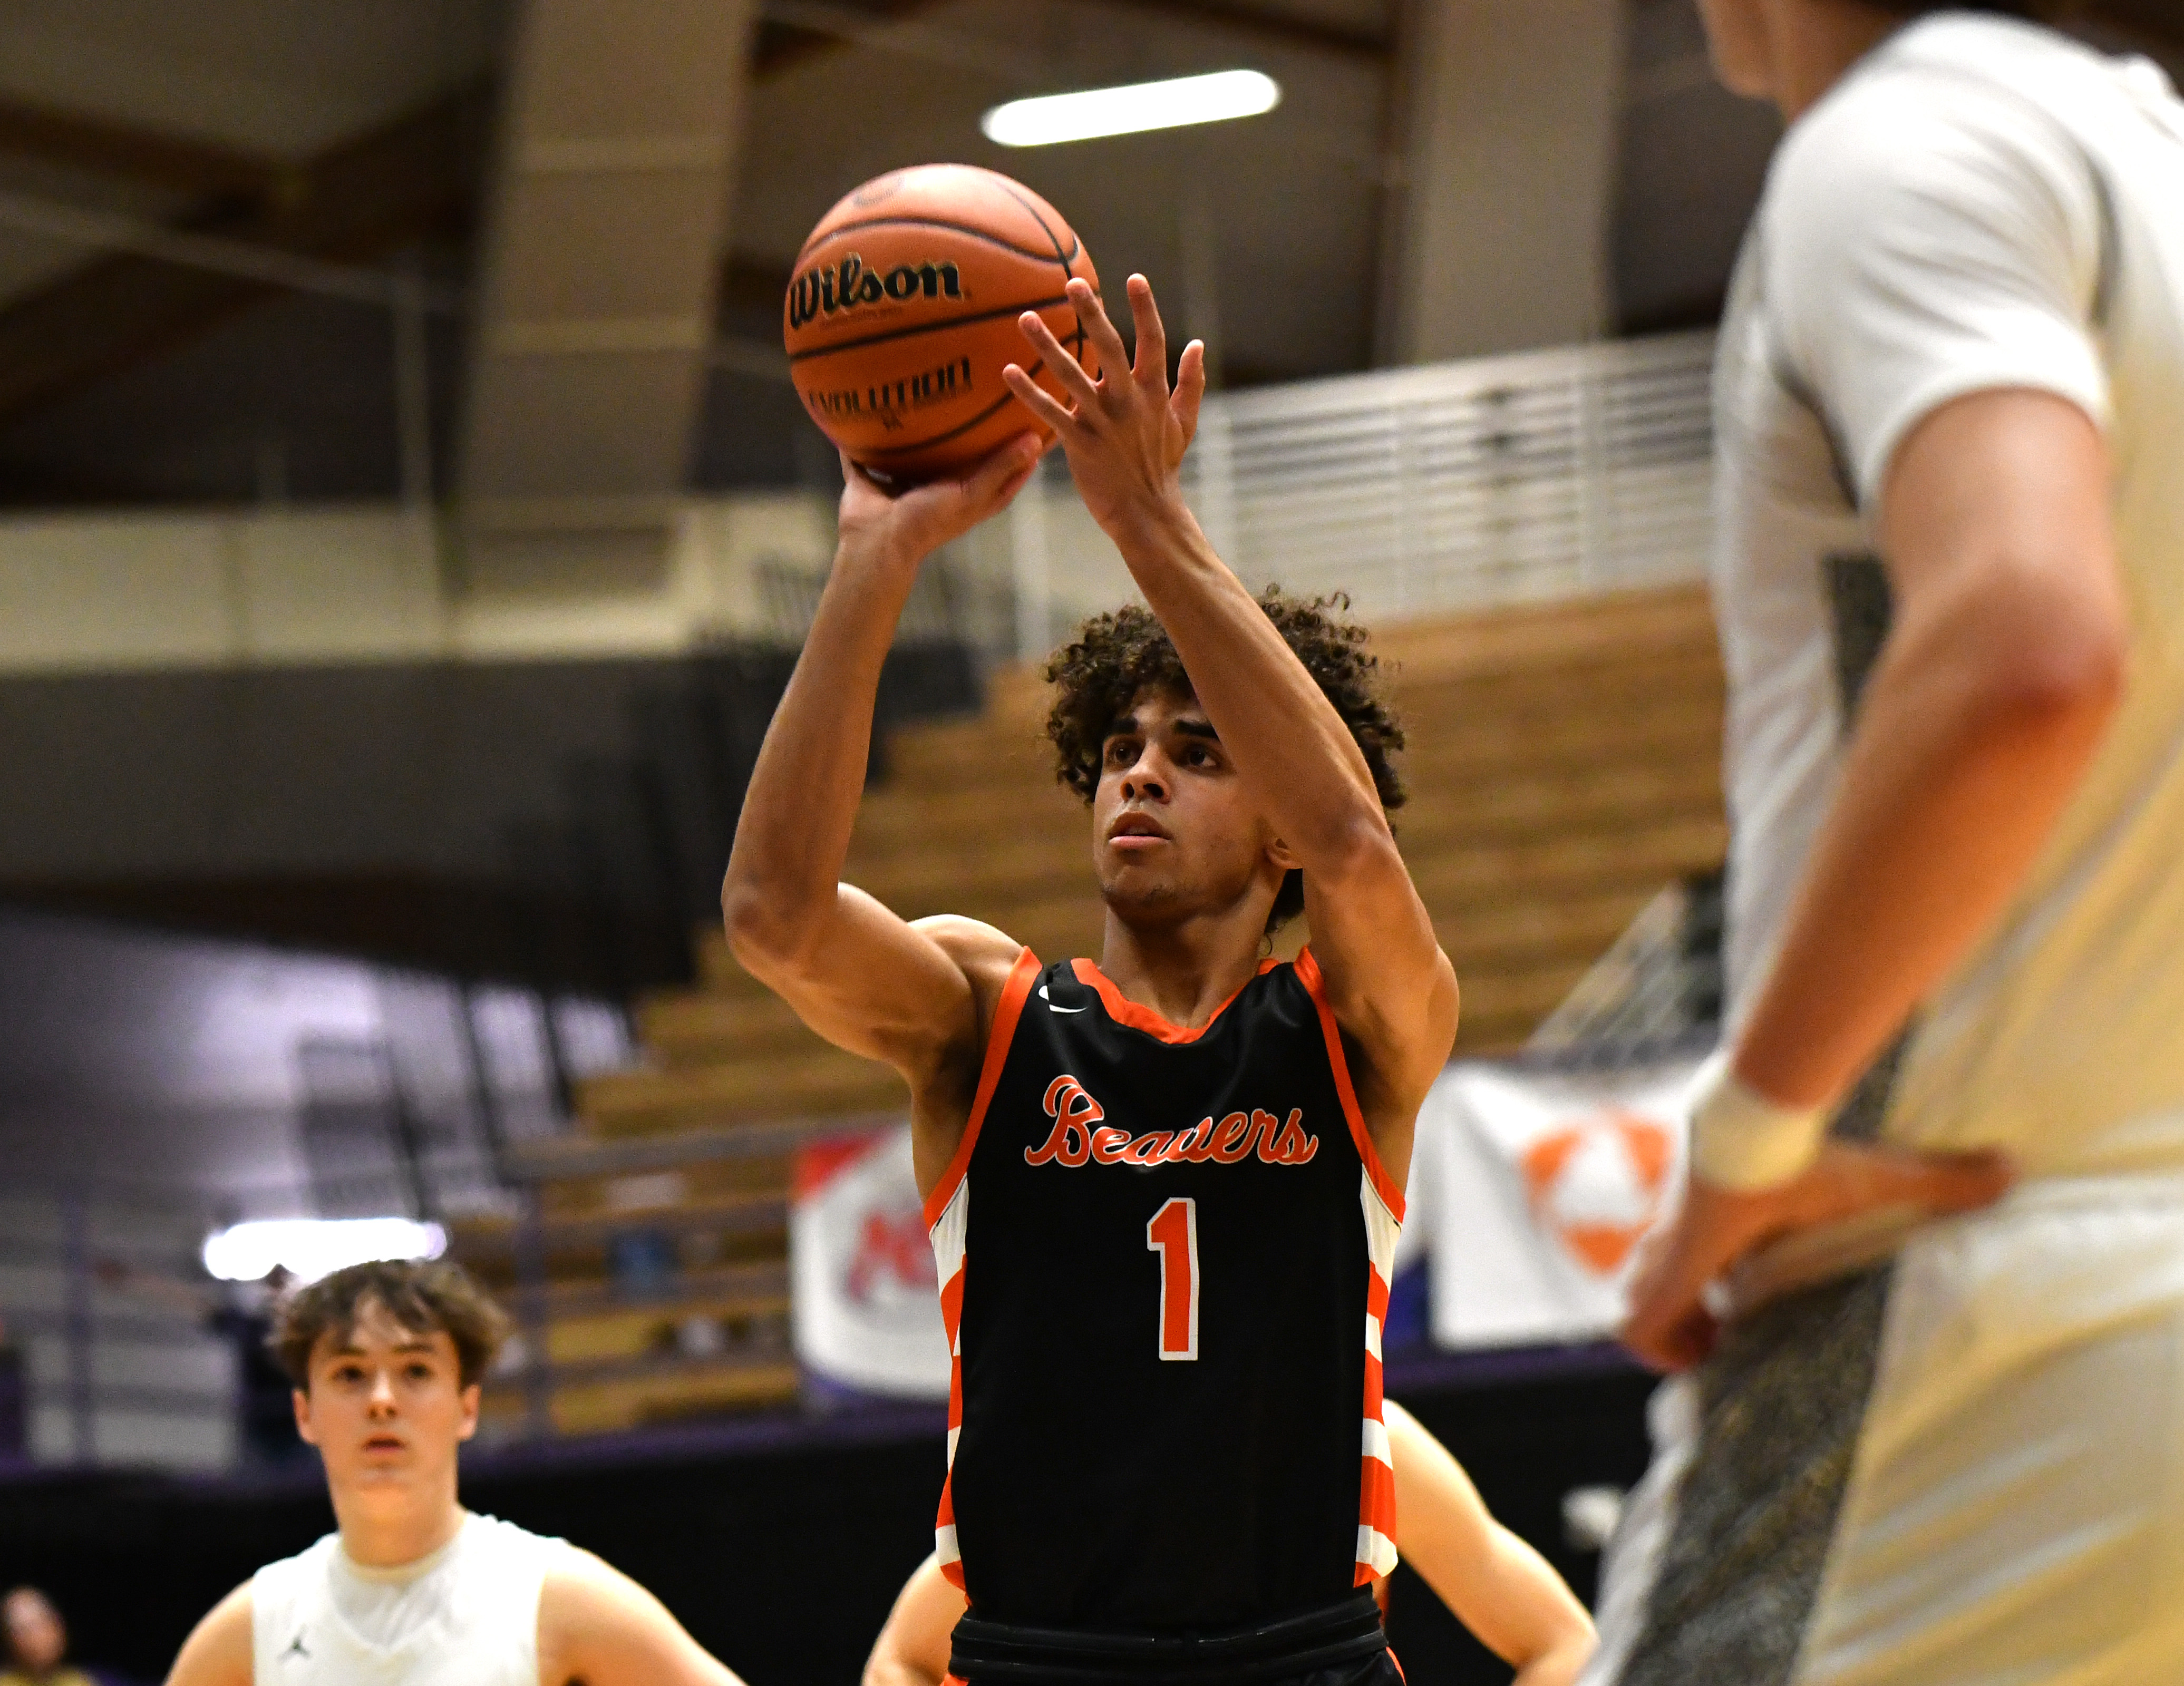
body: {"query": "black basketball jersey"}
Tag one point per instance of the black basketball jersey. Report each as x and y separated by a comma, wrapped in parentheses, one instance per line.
(1164, 1256)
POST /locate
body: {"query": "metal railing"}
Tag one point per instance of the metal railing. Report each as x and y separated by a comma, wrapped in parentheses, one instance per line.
(1658, 985)
(93, 1272)
(530, 1242)
(1423, 490)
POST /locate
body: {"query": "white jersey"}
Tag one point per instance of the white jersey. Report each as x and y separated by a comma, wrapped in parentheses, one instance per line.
(467, 1615)
(1981, 204)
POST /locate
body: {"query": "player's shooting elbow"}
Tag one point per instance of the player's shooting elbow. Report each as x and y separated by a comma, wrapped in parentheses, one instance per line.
(770, 926)
(1348, 846)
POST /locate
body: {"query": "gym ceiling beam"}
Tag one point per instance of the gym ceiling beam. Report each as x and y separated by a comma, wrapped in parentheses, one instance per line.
(98, 145)
(788, 34)
(351, 204)
(354, 203)
(1289, 29)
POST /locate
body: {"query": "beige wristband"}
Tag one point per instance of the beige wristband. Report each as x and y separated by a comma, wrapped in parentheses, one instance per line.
(1743, 1141)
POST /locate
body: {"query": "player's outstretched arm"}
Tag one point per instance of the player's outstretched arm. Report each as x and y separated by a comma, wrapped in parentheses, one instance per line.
(1498, 1587)
(218, 1651)
(860, 977)
(597, 1626)
(913, 1646)
(1393, 990)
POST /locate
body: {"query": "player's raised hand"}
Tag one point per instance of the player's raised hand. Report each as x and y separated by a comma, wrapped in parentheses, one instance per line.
(1672, 1327)
(902, 529)
(1126, 433)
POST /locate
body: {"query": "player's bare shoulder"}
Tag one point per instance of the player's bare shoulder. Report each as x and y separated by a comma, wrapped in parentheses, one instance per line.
(941, 1103)
(219, 1650)
(985, 954)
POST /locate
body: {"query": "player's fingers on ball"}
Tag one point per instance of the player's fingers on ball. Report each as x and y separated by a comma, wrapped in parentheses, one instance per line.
(853, 475)
(1151, 366)
(1037, 399)
(1073, 379)
(1014, 457)
(1098, 328)
(1001, 476)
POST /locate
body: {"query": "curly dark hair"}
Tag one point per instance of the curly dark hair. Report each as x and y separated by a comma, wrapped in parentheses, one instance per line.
(421, 1297)
(1115, 656)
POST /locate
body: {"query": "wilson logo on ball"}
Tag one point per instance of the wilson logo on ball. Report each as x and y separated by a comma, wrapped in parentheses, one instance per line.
(831, 289)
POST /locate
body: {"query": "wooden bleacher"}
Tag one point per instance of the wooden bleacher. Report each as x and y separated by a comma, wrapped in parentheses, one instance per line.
(1563, 765)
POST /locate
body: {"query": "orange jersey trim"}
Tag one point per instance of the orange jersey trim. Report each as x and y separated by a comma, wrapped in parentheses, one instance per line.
(1307, 971)
(1124, 1011)
(1014, 993)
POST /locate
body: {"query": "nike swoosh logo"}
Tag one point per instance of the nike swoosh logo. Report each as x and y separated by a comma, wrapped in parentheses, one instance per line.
(1051, 1008)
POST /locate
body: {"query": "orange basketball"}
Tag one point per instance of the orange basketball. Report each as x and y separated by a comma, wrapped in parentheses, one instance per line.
(902, 313)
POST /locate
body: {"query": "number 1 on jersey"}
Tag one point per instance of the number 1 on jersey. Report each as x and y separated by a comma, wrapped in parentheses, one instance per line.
(1173, 1234)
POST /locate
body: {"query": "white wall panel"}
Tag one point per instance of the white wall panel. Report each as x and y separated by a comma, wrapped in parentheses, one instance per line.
(338, 586)
(113, 590)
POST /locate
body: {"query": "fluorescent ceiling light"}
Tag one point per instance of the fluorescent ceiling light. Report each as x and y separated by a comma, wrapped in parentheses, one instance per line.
(1131, 110)
(316, 1247)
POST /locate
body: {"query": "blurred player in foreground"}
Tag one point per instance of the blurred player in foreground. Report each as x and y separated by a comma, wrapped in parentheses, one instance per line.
(414, 1590)
(1950, 401)
(1497, 1586)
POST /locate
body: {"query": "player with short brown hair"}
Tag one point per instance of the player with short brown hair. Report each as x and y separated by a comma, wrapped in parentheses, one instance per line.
(412, 1590)
(416, 1296)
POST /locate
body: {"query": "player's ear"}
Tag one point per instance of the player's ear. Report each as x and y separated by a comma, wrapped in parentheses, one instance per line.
(469, 1400)
(301, 1400)
(1278, 852)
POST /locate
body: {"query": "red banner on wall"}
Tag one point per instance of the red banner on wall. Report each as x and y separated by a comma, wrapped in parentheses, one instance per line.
(864, 1300)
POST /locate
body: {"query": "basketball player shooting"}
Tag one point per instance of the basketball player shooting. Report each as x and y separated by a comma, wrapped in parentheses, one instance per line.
(412, 1590)
(1933, 1446)
(1164, 1187)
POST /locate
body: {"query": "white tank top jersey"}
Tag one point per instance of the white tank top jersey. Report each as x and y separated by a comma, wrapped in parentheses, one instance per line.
(467, 1615)
(1981, 204)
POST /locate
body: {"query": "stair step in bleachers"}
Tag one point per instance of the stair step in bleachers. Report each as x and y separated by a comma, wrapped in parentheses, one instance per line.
(1453, 732)
(577, 1339)
(1035, 860)
(816, 1083)
(596, 1398)
(578, 1243)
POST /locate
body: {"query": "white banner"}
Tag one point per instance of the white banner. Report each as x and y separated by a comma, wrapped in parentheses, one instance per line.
(865, 1302)
(1531, 1192)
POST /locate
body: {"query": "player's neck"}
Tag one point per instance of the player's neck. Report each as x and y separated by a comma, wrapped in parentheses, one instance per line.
(1815, 42)
(1184, 972)
(379, 1532)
